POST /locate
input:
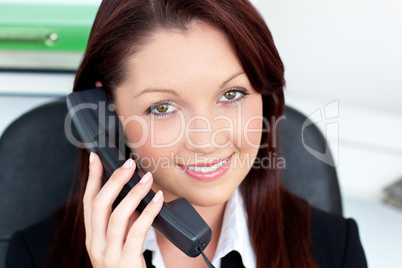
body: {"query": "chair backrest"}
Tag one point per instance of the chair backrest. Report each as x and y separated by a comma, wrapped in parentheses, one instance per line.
(305, 175)
(36, 169)
(37, 165)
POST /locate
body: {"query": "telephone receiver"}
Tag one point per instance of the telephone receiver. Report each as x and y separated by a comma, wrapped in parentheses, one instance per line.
(101, 132)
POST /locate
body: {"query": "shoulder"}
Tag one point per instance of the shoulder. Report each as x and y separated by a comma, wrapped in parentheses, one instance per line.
(29, 247)
(336, 241)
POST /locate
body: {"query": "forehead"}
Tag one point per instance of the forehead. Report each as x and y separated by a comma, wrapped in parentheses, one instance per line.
(200, 53)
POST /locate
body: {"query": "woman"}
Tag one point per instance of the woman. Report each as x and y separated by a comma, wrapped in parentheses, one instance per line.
(208, 68)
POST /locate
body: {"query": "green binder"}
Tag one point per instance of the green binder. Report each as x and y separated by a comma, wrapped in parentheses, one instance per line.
(49, 37)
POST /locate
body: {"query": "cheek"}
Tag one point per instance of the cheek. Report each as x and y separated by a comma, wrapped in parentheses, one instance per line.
(140, 132)
(151, 159)
(153, 146)
(252, 130)
(136, 130)
(167, 133)
(252, 123)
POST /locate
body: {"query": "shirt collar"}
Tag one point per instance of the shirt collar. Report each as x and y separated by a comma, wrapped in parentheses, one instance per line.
(234, 236)
(234, 233)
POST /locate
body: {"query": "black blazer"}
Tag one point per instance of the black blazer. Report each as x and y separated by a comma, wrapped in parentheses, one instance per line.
(335, 244)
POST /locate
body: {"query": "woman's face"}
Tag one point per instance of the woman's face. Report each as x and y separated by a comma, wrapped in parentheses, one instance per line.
(191, 114)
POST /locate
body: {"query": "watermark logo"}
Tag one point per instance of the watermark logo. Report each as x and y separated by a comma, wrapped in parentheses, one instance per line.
(328, 118)
(247, 161)
(236, 130)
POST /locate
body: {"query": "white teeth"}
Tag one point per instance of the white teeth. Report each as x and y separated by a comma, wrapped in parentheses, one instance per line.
(208, 169)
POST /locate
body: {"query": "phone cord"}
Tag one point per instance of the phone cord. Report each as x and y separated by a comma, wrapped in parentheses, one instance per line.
(210, 265)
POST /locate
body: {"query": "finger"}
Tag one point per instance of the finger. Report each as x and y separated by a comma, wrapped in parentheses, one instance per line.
(131, 221)
(138, 231)
(102, 204)
(94, 184)
(120, 217)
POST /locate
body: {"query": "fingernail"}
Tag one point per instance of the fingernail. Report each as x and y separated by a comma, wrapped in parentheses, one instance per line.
(157, 196)
(128, 163)
(91, 157)
(146, 177)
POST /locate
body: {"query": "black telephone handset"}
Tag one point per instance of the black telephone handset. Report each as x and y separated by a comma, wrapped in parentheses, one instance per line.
(96, 122)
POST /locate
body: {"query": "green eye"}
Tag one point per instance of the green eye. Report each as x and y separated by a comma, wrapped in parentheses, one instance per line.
(230, 95)
(233, 95)
(163, 108)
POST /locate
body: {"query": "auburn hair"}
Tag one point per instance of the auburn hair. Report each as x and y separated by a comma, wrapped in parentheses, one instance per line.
(278, 221)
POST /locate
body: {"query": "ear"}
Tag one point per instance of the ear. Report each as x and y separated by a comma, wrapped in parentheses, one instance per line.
(98, 84)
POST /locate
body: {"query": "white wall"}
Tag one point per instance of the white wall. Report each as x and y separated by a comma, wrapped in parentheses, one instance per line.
(349, 50)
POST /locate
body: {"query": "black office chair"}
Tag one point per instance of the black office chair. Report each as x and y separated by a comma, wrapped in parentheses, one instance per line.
(313, 179)
(37, 165)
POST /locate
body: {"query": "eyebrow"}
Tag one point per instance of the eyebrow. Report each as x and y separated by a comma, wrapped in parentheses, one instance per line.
(231, 78)
(171, 91)
(164, 90)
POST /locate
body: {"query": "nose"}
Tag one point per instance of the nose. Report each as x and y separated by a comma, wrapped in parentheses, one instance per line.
(207, 132)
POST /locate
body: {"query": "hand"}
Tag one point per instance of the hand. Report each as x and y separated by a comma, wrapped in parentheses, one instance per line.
(116, 239)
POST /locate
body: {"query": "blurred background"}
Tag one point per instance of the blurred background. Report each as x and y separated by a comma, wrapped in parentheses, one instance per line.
(343, 62)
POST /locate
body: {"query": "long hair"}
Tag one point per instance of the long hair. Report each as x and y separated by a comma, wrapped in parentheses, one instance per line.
(278, 222)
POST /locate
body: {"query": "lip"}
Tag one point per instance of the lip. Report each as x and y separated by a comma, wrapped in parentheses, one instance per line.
(215, 161)
(210, 176)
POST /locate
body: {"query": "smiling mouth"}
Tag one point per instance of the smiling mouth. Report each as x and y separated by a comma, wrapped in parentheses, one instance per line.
(207, 171)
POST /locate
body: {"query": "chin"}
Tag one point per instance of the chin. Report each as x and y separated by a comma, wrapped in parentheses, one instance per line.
(208, 199)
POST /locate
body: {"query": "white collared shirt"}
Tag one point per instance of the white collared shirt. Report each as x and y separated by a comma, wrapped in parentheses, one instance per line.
(234, 236)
